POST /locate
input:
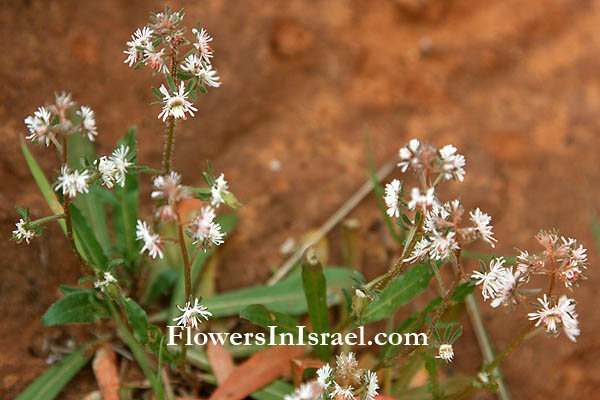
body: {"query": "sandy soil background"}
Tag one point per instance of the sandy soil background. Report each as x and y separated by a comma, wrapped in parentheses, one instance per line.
(514, 85)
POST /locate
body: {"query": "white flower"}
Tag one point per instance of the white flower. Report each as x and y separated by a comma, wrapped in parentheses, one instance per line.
(436, 218)
(442, 246)
(192, 315)
(409, 156)
(88, 122)
(119, 159)
(202, 43)
(217, 190)
(176, 105)
(482, 226)
(21, 233)
(39, 125)
(72, 183)
(490, 280)
(547, 315)
(108, 278)
(446, 352)
(107, 169)
(152, 242)
(423, 201)
(140, 39)
(552, 317)
(204, 230)
(452, 163)
(323, 376)
(205, 73)
(420, 250)
(372, 386)
(63, 102)
(340, 393)
(168, 188)
(114, 168)
(392, 198)
(156, 60)
(507, 285)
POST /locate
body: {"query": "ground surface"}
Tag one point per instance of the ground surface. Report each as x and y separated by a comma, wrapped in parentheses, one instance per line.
(514, 85)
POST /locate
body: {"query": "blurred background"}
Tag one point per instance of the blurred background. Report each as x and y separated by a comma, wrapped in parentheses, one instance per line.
(513, 84)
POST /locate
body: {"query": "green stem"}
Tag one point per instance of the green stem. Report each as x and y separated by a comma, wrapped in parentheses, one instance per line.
(43, 220)
(138, 352)
(187, 273)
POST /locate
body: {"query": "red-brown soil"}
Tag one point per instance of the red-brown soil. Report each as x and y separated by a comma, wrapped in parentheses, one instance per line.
(513, 84)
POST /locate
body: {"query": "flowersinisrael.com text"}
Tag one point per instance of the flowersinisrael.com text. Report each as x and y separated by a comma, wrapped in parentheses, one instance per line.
(301, 337)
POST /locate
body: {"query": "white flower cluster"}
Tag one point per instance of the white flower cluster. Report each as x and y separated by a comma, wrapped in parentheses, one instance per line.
(192, 314)
(499, 283)
(23, 232)
(48, 121)
(114, 168)
(143, 49)
(422, 157)
(560, 257)
(441, 233)
(344, 382)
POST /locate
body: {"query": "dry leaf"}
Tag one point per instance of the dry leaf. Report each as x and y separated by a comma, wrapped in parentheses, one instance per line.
(259, 370)
(105, 370)
(220, 361)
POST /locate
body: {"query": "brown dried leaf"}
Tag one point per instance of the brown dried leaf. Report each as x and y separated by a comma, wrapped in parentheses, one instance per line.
(105, 370)
(259, 370)
(220, 361)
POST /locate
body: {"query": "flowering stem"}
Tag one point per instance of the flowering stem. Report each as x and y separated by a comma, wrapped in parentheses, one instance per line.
(170, 136)
(43, 220)
(187, 273)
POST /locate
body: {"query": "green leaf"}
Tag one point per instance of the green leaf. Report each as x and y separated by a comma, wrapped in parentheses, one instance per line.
(275, 390)
(95, 253)
(161, 284)
(315, 290)
(157, 93)
(50, 384)
(143, 331)
(80, 149)
(400, 291)
(228, 223)
(43, 185)
(77, 306)
(286, 296)
(170, 83)
(261, 316)
(596, 231)
(125, 212)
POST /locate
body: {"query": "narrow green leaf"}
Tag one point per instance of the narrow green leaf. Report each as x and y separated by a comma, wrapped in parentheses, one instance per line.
(157, 93)
(88, 239)
(43, 184)
(286, 296)
(171, 83)
(315, 290)
(261, 316)
(77, 306)
(400, 291)
(50, 384)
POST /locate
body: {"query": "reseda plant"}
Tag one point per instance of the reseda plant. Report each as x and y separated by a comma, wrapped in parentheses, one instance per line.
(86, 186)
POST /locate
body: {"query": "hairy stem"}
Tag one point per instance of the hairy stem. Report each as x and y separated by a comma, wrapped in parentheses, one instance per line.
(187, 273)
(170, 135)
